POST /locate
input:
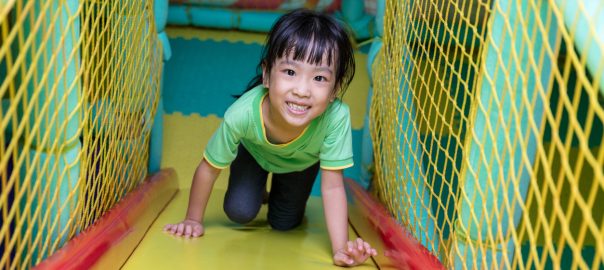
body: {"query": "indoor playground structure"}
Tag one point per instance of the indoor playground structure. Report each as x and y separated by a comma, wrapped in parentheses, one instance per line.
(478, 133)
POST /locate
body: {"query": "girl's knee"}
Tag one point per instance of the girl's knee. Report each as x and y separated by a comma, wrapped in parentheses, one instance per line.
(284, 224)
(240, 213)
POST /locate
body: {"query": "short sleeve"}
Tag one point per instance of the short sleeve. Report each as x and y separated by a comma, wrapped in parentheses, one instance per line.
(221, 150)
(336, 151)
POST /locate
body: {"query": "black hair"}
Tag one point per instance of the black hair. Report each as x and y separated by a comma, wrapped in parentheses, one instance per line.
(306, 32)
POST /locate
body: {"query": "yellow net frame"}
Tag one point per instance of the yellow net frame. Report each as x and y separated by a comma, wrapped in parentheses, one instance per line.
(487, 124)
(79, 85)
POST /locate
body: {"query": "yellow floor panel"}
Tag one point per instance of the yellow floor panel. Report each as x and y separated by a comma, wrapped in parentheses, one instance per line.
(185, 138)
(227, 245)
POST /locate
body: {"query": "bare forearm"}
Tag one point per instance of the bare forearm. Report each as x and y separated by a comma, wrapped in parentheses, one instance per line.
(335, 208)
(201, 188)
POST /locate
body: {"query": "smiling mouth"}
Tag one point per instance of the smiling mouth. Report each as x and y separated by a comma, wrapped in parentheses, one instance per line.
(297, 108)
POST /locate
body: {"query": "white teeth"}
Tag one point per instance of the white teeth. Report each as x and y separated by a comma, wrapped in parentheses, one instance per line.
(297, 107)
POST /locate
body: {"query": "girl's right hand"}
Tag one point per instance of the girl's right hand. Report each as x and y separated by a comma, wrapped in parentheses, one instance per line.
(186, 228)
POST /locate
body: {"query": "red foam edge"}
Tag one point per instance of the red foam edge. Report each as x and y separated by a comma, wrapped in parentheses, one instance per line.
(404, 251)
(87, 248)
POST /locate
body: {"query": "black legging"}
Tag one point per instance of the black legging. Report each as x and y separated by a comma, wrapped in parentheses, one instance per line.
(287, 199)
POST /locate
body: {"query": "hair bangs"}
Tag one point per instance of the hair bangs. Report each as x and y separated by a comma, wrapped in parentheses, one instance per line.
(308, 47)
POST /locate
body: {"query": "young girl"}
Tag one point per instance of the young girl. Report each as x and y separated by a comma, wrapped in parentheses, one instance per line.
(291, 124)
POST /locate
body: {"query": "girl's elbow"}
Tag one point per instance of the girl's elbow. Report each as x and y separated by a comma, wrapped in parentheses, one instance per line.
(331, 186)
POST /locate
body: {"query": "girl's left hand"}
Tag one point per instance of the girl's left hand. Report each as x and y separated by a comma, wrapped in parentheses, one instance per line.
(355, 253)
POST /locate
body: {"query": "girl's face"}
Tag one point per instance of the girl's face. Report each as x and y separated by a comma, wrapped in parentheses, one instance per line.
(298, 91)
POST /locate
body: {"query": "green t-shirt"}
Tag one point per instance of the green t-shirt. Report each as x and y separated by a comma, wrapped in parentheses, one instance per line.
(327, 138)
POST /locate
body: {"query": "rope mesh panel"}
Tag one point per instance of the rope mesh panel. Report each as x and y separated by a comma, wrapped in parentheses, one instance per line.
(79, 85)
(487, 123)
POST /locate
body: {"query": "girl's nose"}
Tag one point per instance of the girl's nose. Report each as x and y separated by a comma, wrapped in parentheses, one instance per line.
(301, 90)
